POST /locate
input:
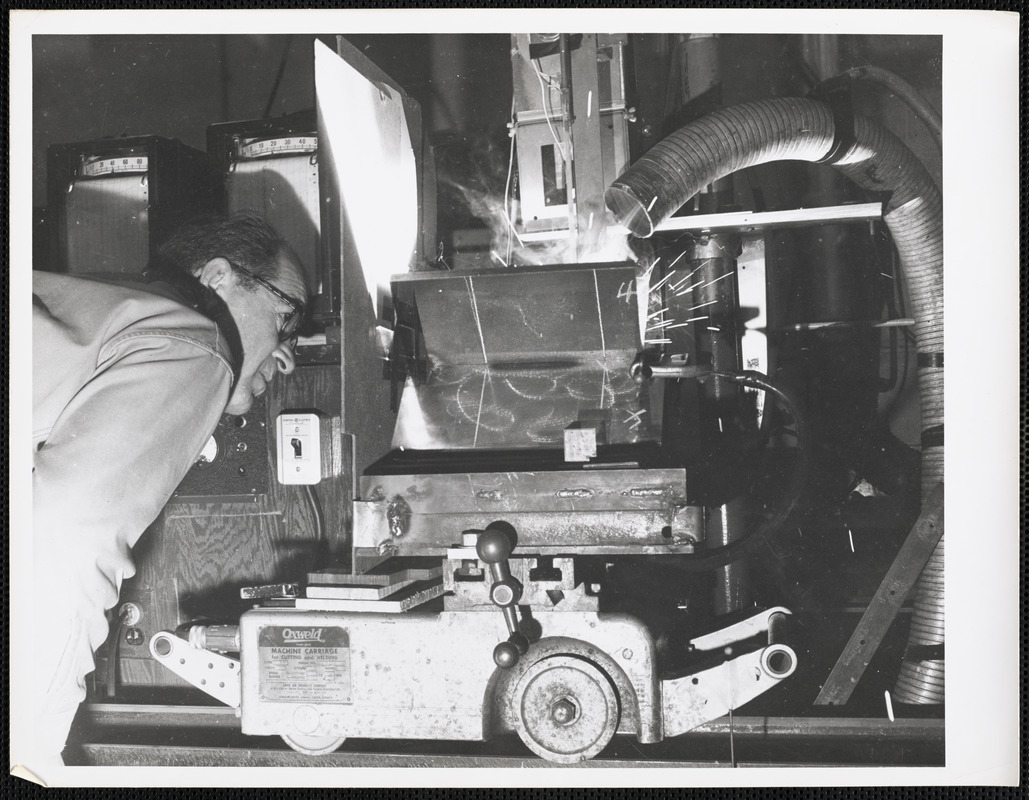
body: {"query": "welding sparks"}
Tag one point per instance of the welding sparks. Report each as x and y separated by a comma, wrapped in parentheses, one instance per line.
(694, 272)
(721, 428)
(851, 537)
(659, 325)
(726, 275)
(657, 341)
(886, 276)
(675, 286)
(589, 104)
(708, 303)
(590, 224)
(652, 204)
(687, 290)
(670, 266)
(659, 311)
(661, 282)
(497, 257)
(695, 319)
(716, 330)
(889, 706)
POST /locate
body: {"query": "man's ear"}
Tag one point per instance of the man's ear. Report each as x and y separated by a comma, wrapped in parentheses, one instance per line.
(217, 274)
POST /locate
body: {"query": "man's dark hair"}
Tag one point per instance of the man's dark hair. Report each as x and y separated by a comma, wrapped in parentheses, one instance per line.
(245, 240)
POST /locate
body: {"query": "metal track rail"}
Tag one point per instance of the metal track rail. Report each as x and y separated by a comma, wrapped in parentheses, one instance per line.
(111, 755)
(157, 732)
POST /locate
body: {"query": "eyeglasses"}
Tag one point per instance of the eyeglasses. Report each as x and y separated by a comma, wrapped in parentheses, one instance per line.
(296, 309)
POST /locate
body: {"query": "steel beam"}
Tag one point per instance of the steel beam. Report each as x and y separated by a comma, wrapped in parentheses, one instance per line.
(886, 603)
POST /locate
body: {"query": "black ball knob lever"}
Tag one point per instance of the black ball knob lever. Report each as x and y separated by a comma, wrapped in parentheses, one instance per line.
(493, 548)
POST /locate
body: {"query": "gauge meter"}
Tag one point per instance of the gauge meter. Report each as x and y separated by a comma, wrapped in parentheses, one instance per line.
(97, 166)
(209, 453)
(281, 145)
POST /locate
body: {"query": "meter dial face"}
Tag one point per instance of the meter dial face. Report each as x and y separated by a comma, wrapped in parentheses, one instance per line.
(209, 453)
(258, 148)
(95, 166)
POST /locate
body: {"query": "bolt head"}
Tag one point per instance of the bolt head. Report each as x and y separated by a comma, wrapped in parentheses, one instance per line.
(502, 594)
(562, 712)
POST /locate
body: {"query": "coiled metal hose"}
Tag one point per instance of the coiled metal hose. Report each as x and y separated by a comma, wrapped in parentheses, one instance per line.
(801, 129)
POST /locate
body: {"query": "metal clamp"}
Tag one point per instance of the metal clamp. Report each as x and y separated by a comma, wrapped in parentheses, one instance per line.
(769, 621)
(210, 672)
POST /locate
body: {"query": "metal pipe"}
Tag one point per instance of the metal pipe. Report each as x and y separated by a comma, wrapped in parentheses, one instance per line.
(714, 305)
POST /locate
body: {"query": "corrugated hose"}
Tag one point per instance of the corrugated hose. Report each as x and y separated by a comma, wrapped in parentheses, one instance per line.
(802, 129)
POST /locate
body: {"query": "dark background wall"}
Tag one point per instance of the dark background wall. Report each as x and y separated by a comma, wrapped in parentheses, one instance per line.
(94, 86)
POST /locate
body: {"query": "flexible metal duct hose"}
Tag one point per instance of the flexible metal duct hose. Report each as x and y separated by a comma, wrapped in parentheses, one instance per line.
(796, 129)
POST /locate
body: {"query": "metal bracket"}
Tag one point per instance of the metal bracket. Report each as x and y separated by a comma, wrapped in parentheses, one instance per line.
(705, 696)
(210, 672)
(745, 629)
(899, 580)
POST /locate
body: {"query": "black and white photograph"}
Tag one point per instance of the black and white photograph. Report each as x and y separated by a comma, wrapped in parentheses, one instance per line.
(417, 400)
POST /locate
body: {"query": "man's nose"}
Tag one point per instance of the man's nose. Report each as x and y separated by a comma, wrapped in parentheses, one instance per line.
(285, 361)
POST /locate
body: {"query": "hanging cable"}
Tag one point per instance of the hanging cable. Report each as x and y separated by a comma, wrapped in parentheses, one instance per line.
(546, 109)
(316, 511)
(713, 559)
(278, 76)
(512, 132)
(919, 106)
(114, 652)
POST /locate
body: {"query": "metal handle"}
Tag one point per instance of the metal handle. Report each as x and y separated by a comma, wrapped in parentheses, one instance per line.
(493, 548)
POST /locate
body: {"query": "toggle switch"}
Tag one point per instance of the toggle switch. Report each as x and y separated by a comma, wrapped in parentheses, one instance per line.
(298, 448)
(308, 447)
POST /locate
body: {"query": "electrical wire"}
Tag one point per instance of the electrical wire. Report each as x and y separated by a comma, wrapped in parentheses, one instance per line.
(316, 511)
(919, 106)
(546, 110)
(907, 338)
(507, 183)
(114, 652)
(720, 557)
(278, 76)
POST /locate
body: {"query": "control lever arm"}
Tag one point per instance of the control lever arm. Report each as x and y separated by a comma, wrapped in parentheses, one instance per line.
(493, 549)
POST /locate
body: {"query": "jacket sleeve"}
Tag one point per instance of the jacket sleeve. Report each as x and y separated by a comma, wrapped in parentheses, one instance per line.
(112, 460)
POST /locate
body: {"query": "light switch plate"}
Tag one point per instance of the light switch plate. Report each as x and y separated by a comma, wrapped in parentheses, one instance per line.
(298, 444)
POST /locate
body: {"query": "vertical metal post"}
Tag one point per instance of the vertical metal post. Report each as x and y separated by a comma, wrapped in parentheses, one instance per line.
(587, 156)
(568, 149)
(713, 306)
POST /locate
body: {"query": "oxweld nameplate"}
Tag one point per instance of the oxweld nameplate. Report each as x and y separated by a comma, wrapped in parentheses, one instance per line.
(304, 664)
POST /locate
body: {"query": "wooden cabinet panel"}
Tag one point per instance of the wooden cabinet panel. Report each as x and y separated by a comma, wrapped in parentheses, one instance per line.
(192, 562)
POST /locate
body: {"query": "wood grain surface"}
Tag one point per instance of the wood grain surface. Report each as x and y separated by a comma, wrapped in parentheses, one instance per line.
(192, 562)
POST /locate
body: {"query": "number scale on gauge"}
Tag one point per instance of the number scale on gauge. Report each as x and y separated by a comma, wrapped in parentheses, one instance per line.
(256, 148)
(96, 166)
